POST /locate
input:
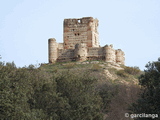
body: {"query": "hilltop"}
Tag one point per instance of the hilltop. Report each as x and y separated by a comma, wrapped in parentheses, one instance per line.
(103, 71)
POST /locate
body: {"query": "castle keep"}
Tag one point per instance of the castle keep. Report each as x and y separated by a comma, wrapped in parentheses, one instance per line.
(81, 43)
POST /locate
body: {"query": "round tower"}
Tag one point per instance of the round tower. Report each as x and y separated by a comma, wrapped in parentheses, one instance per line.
(109, 53)
(52, 50)
(80, 52)
(120, 57)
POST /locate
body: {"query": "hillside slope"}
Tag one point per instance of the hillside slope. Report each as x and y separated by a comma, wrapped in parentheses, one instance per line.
(100, 70)
(91, 90)
(117, 85)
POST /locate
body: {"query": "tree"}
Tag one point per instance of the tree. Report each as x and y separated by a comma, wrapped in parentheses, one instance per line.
(84, 103)
(31, 93)
(17, 87)
(149, 102)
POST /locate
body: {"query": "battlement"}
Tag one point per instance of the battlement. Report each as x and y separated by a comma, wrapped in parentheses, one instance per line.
(79, 21)
(81, 42)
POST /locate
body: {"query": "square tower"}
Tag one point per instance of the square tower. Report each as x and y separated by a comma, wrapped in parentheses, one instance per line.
(83, 30)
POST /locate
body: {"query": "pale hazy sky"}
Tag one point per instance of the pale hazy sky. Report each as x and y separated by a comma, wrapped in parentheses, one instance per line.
(130, 25)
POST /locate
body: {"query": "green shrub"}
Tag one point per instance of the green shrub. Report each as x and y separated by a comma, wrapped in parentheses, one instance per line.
(107, 91)
(132, 70)
(122, 73)
(96, 67)
(69, 65)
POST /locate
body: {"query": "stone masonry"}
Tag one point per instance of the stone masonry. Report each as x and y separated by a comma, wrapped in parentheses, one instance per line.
(81, 43)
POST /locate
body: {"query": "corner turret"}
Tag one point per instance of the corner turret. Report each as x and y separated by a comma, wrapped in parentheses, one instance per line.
(52, 50)
(109, 53)
(120, 57)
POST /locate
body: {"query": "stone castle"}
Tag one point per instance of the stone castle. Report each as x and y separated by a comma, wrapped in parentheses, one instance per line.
(81, 43)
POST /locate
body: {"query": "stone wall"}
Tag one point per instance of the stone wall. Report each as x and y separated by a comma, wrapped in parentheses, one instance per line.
(82, 53)
(95, 52)
(65, 55)
(80, 30)
(60, 46)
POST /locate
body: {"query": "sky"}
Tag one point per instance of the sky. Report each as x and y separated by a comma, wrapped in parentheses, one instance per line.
(130, 25)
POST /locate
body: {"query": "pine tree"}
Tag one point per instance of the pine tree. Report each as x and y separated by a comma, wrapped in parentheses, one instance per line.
(149, 101)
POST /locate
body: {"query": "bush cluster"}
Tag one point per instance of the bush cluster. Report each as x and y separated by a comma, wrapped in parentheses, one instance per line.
(128, 70)
(132, 70)
(122, 73)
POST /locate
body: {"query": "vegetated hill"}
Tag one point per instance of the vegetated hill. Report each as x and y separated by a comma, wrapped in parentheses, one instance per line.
(117, 85)
(67, 91)
(100, 70)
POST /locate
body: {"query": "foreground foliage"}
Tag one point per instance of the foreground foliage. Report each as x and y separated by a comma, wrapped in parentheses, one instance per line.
(149, 102)
(29, 93)
(61, 94)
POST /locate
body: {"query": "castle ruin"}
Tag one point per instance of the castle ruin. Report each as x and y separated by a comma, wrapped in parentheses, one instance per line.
(81, 43)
